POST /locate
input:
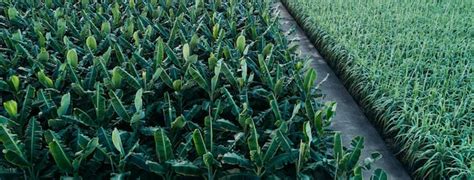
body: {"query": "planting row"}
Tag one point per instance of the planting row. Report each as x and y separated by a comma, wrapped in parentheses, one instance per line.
(410, 64)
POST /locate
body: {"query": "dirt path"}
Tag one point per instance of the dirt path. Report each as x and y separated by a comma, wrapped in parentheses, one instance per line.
(349, 119)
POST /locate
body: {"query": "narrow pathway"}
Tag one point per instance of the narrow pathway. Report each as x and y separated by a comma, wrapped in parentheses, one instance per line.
(349, 119)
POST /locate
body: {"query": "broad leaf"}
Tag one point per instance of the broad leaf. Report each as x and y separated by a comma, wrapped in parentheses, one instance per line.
(118, 106)
(60, 157)
(117, 141)
(34, 134)
(65, 103)
(236, 159)
(12, 145)
(199, 144)
(138, 100)
(163, 147)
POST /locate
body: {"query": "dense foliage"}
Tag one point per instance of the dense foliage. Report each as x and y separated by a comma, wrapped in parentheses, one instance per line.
(410, 63)
(128, 89)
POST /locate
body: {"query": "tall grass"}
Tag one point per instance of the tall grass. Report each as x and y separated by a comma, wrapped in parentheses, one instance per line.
(410, 64)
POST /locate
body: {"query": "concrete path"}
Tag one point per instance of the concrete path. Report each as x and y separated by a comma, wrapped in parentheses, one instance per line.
(349, 119)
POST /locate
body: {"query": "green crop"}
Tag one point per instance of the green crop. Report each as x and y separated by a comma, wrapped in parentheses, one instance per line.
(410, 64)
(146, 89)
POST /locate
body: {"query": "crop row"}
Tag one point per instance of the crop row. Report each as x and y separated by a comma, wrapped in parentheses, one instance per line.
(410, 64)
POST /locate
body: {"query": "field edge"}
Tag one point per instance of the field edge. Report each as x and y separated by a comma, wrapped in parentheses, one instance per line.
(339, 59)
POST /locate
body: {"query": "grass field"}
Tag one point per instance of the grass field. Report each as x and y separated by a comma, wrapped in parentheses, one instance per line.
(410, 64)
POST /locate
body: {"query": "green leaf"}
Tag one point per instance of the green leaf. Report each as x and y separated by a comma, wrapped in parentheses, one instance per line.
(185, 146)
(296, 110)
(60, 157)
(309, 80)
(330, 110)
(186, 168)
(318, 122)
(208, 159)
(212, 61)
(132, 81)
(105, 27)
(302, 156)
(283, 159)
(104, 139)
(156, 168)
(163, 146)
(118, 106)
(215, 79)
(199, 144)
(198, 78)
(215, 31)
(15, 81)
(27, 102)
(338, 151)
(309, 109)
(267, 49)
(275, 109)
(278, 87)
(194, 41)
(4, 85)
(229, 75)
(91, 43)
(99, 104)
(177, 85)
(186, 51)
(138, 100)
(84, 118)
(4, 120)
(43, 56)
(12, 145)
(285, 142)
(116, 78)
(240, 43)
(159, 52)
(12, 13)
(236, 159)
(307, 131)
(243, 65)
(267, 77)
(90, 147)
(226, 125)
(65, 103)
(253, 138)
(15, 158)
(235, 108)
(272, 148)
(358, 143)
(178, 123)
(171, 55)
(169, 110)
(44, 80)
(165, 77)
(72, 58)
(117, 141)
(357, 173)
(34, 134)
(11, 107)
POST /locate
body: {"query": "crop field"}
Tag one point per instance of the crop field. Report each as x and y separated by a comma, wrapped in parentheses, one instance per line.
(105, 89)
(410, 65)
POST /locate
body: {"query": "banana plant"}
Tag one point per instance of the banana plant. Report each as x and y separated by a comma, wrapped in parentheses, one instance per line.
(161, 89)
